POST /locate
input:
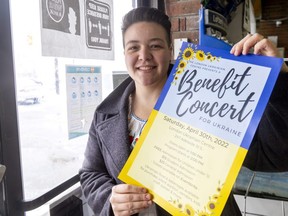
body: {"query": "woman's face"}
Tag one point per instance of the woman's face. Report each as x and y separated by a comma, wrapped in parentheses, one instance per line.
(147, 53)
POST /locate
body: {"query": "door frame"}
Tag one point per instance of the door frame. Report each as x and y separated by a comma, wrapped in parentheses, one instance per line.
(11, 191)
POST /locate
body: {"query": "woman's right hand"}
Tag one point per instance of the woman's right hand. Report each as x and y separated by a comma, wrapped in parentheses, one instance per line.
(129, 199)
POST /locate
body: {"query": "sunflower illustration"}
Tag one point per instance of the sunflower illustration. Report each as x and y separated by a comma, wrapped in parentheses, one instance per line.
(200, 55)
(173, 83)
(180, 205)
(188, 53)
(209, 57)
(215, 58)
(179, 71)
(189, 210)
(211, 205)
(182, 65)
(203, 213)
(215, 196)
(219, 187)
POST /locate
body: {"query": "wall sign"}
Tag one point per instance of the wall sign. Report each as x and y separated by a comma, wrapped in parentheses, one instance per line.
(98, 27)
(77, 29)
(84, 94)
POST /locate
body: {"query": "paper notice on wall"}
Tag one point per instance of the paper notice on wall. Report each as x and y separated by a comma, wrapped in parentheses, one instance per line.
(84, 94)
(77, 29)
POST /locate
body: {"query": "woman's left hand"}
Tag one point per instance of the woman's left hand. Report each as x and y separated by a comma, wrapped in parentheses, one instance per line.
(129, 199)
(259, 46)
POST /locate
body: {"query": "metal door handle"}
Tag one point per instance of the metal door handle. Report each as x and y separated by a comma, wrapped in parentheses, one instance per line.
(2, 171)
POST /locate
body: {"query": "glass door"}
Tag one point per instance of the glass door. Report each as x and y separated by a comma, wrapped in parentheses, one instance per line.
(51, 141)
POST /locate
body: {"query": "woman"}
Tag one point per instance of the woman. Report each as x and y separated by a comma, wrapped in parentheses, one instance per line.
(119, 119)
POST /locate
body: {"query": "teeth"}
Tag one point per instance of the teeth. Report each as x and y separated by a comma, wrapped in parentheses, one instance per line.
(145, 68)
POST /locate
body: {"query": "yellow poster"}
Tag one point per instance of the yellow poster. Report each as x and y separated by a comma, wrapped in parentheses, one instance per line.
(199, 132)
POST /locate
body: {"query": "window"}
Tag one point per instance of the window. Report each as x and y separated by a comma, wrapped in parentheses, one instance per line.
(49, 155)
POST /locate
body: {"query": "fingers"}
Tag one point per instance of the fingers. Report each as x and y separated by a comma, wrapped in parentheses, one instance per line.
(125, 209)
(126, 188)
(129, 199)
(265, 47)
(128, 193)
(256, 44)
(244, 45)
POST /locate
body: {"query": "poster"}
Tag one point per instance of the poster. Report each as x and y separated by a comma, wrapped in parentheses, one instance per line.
(198, 134)
(77, 29)
(84, 93)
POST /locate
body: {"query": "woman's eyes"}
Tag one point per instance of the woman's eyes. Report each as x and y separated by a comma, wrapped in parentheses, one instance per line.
(152, 47)
(156, 46)
(132, 48)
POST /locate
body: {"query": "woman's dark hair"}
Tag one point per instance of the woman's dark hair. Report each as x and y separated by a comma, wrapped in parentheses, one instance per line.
(146, 14)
